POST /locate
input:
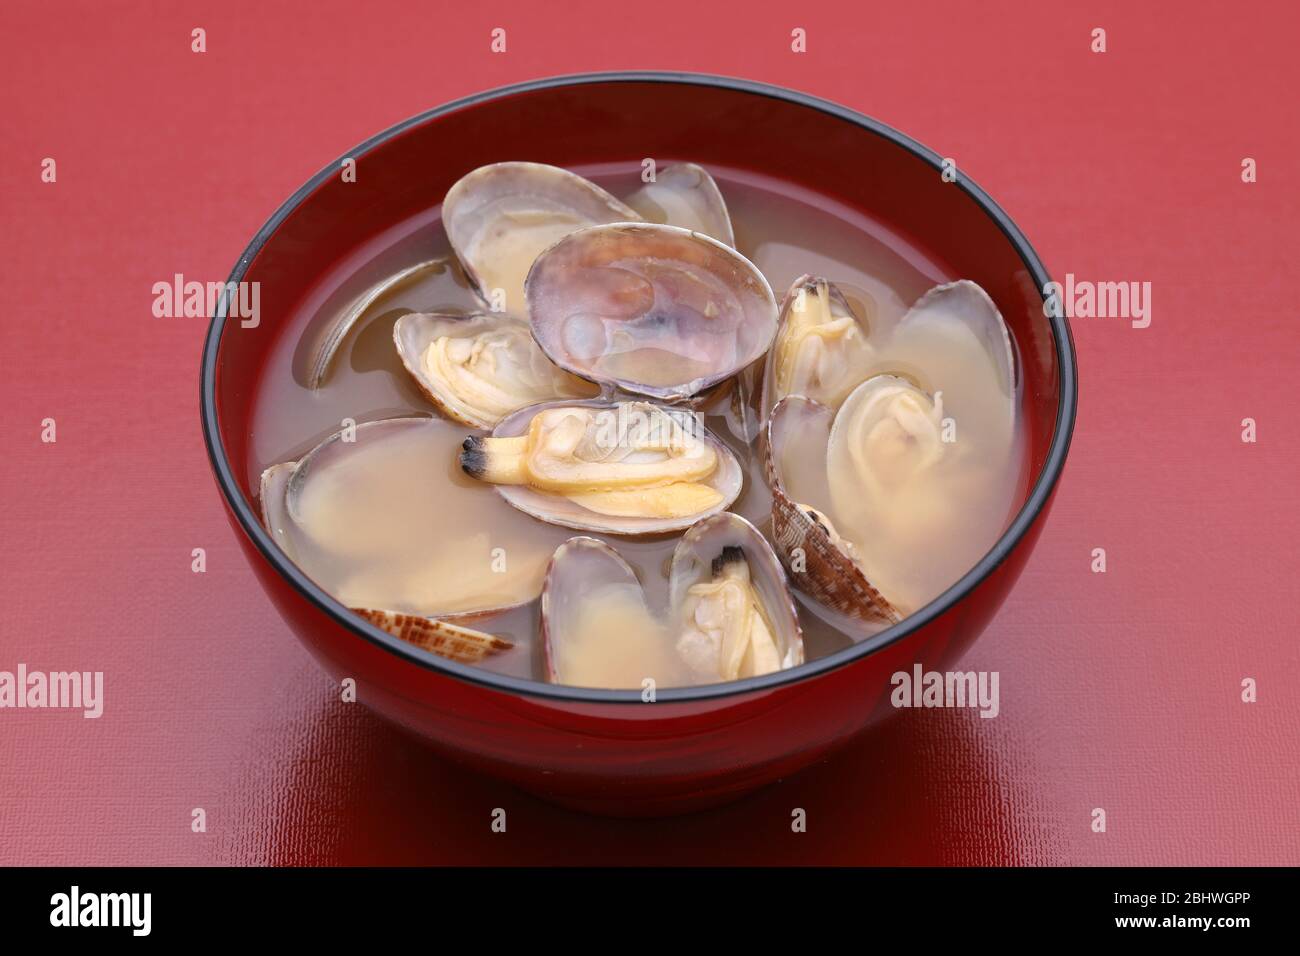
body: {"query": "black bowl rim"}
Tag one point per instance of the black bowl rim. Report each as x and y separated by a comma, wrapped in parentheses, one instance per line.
(1038, 498)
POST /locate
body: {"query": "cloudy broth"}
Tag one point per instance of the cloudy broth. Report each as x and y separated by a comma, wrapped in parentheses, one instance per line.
(453, 537)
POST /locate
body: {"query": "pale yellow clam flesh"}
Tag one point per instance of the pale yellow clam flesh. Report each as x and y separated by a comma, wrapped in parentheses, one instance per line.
(725, 631)
(629, 467)
(728, 615)
(822, 348)
(478, 368)
(888, 488)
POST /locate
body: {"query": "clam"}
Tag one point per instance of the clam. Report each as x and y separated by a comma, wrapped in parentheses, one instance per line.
(620, 467)
(732, 610)
(477, 368)
(728, 615)
(899, 482)
(865, 485)
(367, 564)
(822, 563)
(500, 217)
(597, 630)
(442, 637)
(331, 338)
(685, 195)
(655, 310)
(959, 319)
(822, 347)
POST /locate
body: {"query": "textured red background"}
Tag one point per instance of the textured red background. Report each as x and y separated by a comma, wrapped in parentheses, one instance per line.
(1118, 690)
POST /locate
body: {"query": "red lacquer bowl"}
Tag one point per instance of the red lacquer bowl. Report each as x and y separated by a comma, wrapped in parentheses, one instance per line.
(607, 751)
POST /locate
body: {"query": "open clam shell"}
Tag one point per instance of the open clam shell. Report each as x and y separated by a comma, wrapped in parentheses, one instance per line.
(275, 513)
(500, 217)
(964, 307)
(709, 553)
(822, 347)
(729, 612)
(622, 448)
(654, 310)
(442, 636)
(282, 485)
(477, 368)
(685, 195)
(821, 563)
(384, 559)
(587, 577)
(330, 339)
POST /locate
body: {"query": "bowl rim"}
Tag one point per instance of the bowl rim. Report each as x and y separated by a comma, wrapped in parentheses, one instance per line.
(1039, 494)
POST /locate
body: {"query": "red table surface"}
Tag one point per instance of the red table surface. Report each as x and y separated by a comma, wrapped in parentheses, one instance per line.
(1119, 690)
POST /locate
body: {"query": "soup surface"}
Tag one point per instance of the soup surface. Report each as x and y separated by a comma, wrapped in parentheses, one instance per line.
(407, 529)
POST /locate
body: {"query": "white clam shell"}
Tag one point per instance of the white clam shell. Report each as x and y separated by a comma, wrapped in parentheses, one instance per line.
(685, 195)
(495, 202)
(655, 310)
(579, 567)
(966, 303)
(331, 339)
(281, 488)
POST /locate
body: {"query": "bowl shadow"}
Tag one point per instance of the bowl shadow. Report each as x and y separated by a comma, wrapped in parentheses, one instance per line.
(924, 788)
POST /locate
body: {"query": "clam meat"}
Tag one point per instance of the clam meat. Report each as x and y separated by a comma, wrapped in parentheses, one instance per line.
(733, 614)
(477, 368)
(822, 348)
(728, 613)
(639, 470)
(867, 498)
(623, 467)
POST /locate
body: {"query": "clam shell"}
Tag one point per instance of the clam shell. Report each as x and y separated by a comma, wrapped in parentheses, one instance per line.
(332, 337)
(275, 515)
(655, 310)
(579, 566)
(966, 302)
(281, 484)
(693, 560)
(685, 195)
(442, 637)
(491, 201)
(413, 333)
(582, 566)
(818, 565)
(808, 285)
(728, 479)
